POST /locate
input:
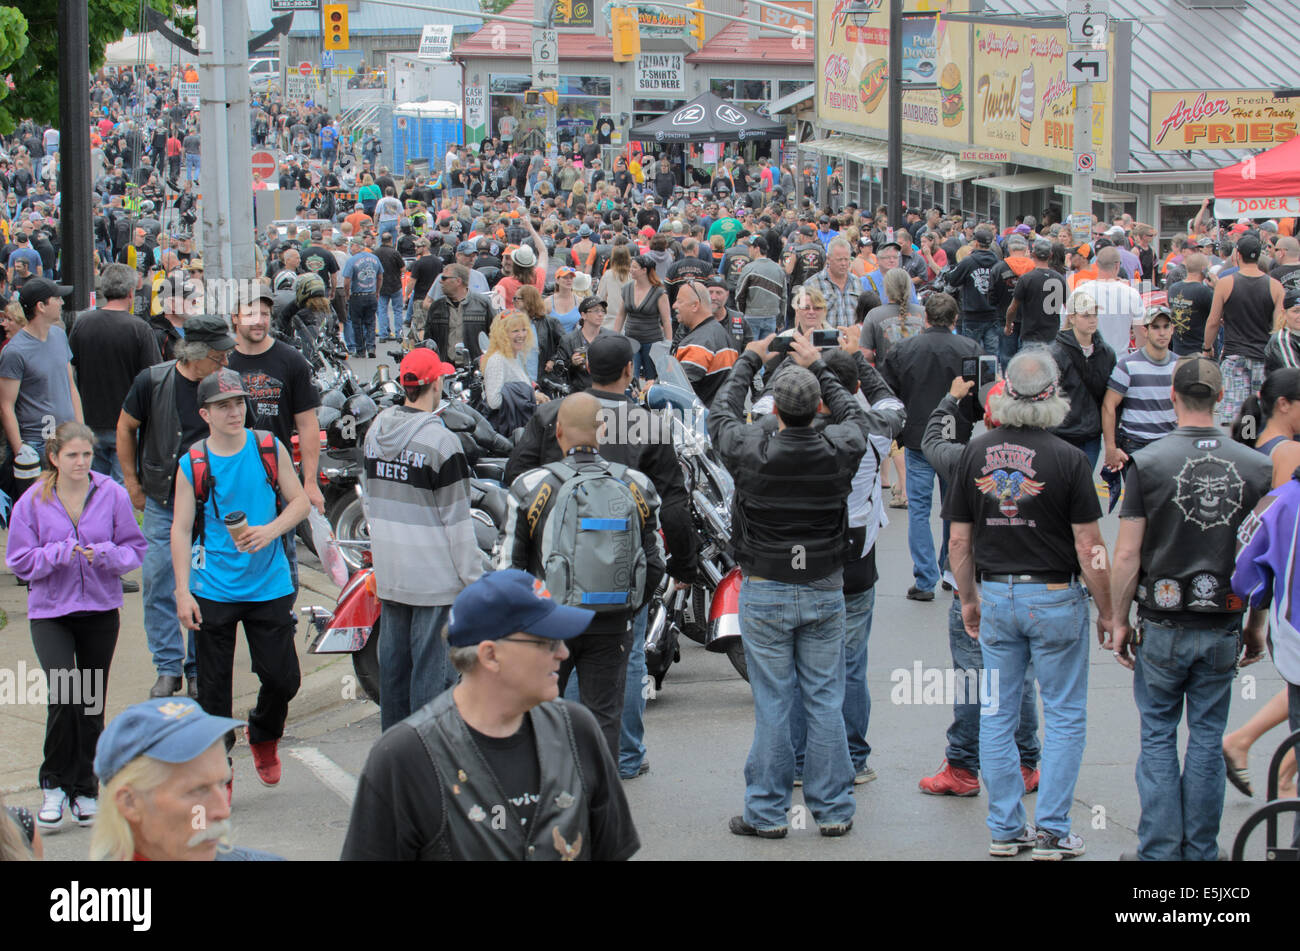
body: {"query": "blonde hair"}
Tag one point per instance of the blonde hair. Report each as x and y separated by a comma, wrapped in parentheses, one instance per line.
(65, 434)
(1079, 302)
(113, 840)
(534, 305)
(620, 261)
(499, 338)
(15, 313)
(812, 295)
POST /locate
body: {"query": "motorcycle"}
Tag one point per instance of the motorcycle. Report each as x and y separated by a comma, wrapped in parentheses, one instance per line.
(707, 611)
(353, 626)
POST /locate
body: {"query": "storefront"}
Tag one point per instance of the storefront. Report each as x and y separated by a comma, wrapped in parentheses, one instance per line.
(582, 101)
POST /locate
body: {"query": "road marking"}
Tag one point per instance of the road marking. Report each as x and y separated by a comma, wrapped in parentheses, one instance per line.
(327, 771)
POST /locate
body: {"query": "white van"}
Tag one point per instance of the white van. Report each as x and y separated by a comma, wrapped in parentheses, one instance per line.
(262, 72)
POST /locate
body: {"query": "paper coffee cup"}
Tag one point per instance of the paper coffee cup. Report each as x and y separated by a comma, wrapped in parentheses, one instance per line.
(236, 524)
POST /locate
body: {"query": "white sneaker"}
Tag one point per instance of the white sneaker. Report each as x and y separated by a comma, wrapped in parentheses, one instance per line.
(49, 818)
(84, 810)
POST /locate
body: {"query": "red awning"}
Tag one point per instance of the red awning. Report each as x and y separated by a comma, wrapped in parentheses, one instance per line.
(1263, 186)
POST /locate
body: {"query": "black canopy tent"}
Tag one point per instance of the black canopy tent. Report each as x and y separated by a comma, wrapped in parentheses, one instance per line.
(708, 118)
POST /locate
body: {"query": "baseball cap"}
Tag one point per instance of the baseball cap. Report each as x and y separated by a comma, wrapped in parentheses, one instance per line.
(983, 236)
(210, 329)
(170, 729)
(1151, 313)
(715, 280)
(796, 391)
(221, 385)
(889, 244)
(1197, 376)
(40, 289)
(467, 247)
(564, 272)
(588, 303)
(1248, 247)
(255, 292)
(196, 264)
(1239, 228)
(608, 354)
(422, 366)
(502, 603)
(1083, 249)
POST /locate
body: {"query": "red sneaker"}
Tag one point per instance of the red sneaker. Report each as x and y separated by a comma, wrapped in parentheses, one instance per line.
(266, 761)
(951, 781)
(1031, 779)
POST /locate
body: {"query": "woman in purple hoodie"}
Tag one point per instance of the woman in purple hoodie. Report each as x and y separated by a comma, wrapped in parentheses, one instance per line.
(72, 536)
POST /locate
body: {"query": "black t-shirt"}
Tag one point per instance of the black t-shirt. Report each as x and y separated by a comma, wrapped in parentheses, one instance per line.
(139, 404)
(622, 179)
(279, 384)
(321, 262)
(109, 349)
(398, 805)
(1023, 490)
(423, 273)
(1288, 274)
(520, 774)
(1041, 293)
(1189, 302)
(393, 266)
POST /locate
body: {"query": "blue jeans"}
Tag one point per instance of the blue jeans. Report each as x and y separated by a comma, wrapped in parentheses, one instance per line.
(162, 628)
(920, 494)
(964, 734)
(106, 461)
(762, 326)
(858, 609)
(389, 313)
(413, 663)
(192, 166)
(391, 228)
(361, 312)
(986, 333)
(642, 365)
(1091, 448)
(1181, 811)
(794, 636)
(1008, 345)
(1019, 625)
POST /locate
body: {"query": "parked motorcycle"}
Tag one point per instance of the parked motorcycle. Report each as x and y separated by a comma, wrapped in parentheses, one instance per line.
(707, 611)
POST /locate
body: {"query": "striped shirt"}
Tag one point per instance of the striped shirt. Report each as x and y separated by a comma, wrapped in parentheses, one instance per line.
(1147, 412)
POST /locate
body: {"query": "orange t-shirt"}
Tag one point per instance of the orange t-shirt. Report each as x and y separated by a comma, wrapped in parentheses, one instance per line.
(1079, 277)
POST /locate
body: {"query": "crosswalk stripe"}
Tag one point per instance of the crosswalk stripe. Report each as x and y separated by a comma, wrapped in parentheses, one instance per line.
(327, 771)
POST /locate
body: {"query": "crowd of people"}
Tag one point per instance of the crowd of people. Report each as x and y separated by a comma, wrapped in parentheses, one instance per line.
(845, 362)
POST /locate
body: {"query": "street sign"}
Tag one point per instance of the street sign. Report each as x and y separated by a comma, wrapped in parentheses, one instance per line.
(1085, 163)
(304, 68)
(1087, 29)
(286, 5)
(327, 59)
(1087, 66)
(264, 164)
(546, 56)
(435, 42)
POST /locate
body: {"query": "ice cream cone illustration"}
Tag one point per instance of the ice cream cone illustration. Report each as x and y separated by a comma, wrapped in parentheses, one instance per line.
(1026, 103)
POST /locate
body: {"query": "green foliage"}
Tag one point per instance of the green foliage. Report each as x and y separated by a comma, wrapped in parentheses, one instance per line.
(13, 43)
(494, 6)
(36, 74)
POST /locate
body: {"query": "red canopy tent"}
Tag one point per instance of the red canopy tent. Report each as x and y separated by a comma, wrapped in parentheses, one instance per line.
(1266, 185)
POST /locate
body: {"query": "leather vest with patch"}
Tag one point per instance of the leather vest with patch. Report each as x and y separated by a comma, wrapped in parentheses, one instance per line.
(160, 447)
(1197, 488)
(560, 829)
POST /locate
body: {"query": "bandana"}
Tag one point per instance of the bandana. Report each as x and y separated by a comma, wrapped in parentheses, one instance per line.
(1046, 394)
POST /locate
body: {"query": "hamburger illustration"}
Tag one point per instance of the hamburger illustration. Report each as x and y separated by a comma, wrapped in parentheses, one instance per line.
(1026, 103)
(873, 84)
(950, 105)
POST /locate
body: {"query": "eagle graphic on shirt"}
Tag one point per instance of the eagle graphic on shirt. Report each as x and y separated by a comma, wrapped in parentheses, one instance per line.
(1008, 487)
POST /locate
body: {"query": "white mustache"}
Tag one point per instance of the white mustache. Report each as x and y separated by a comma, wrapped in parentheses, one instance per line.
(218, 830)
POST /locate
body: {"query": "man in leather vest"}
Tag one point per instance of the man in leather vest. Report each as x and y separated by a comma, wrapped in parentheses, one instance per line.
(160, 420)
(497, 768)
(459, 315)
(1187, 494)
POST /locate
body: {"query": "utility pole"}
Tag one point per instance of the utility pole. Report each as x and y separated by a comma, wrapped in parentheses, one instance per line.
(894, 169)
(75, 229)
(227, 206)
(1088, 27)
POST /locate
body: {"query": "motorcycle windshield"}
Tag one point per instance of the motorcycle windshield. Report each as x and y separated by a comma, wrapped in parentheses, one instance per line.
(669, 370)
(674, 389)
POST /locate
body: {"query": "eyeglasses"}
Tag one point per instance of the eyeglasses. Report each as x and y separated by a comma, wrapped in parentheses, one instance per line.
(550, 645)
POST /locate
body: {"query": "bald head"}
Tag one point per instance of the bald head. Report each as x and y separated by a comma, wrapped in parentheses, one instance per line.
(1108, 261)
(578, 422)
(1289, 249)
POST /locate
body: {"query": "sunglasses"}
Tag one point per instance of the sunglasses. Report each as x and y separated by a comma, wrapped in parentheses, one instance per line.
(548, 644)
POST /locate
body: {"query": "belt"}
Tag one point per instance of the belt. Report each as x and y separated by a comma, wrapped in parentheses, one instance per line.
(1050, 577)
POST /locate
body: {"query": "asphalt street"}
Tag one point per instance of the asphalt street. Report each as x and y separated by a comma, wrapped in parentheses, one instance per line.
(698, 731)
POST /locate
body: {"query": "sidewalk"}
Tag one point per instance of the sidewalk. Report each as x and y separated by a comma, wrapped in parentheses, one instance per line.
(325, 677)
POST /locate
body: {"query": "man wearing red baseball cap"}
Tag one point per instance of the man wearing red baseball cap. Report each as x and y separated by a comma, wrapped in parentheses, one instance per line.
(416, 500)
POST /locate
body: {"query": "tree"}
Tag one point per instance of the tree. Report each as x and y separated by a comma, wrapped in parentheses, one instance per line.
(36, 74)
(494, 6)
(13, 43)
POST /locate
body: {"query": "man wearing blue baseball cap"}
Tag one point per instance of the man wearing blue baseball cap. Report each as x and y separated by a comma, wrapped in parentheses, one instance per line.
(162, 764)
(487, 770)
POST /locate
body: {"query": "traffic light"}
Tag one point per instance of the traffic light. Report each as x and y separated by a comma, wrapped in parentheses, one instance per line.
(531, 97)
(551, 96)
(335, 16)
(563, 11)
(626, 29)
(697, 23)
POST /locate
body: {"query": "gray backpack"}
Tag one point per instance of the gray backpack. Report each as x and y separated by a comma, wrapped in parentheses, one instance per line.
(590, 549)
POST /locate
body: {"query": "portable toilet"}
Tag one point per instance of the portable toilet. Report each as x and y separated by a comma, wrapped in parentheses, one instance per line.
(423, 130)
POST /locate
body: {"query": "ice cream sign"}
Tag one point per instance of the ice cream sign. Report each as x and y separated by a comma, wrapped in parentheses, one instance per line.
(1022, 101)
